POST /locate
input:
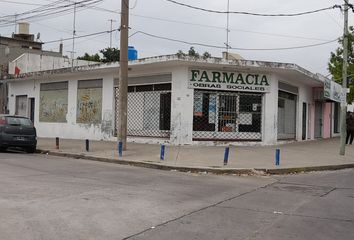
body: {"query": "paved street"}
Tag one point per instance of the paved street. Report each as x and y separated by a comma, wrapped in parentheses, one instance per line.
(47, 197)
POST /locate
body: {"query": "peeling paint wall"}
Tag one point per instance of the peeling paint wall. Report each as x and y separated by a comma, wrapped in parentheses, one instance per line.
(70, 128)
(270, 113)
(89, 105)
(53, 102)
(182, 99)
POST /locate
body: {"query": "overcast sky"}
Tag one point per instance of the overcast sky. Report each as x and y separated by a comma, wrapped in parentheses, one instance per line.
(166, 19)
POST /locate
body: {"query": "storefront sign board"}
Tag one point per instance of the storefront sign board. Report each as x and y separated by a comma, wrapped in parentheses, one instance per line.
(229, 81)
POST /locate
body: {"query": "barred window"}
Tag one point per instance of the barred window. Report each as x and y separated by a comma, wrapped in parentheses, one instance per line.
(227, 115)
(149, 110)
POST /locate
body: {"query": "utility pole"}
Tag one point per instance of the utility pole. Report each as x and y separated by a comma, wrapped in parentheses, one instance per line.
(343, 125)
(227, 30)
(74, 33)
(123, 74)
(110, 35)
(15, 23)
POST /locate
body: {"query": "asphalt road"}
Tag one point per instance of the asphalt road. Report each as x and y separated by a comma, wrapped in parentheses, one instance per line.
(46, 197)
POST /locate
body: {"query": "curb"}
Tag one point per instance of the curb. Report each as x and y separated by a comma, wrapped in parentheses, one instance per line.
(220, 171)
(283, 171)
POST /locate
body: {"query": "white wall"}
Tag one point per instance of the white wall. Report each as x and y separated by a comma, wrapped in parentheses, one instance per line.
(30, 62)
(182, 99)
(270, 113)
(304, 95)
(182, 103)
(70, 129)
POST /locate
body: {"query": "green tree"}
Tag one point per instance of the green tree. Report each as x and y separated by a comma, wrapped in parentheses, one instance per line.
(206, 55)
(193, 53)
(88, 57)
(335, 64)
(180, 53)
(110, 55)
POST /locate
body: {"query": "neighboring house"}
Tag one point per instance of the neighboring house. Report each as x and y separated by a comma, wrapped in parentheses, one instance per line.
(181, 100)
(13, 47)
(31, 62)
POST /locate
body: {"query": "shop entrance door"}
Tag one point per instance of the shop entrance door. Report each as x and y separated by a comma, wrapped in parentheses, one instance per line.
(318, 119)
(304, 118)
(228, 112)
(165, 111)
(286, 115)
(21, 105)
(31, 110)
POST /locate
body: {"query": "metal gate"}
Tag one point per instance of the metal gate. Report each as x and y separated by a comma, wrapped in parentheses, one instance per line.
(149, 110)
(227, 116)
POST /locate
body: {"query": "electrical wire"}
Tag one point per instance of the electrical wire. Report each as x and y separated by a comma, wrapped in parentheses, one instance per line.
(21, 3)
(255, 14)
(207, 26)
(49, 10)
(195, 43)
(81, 36)
(234, 48)
(223, 28)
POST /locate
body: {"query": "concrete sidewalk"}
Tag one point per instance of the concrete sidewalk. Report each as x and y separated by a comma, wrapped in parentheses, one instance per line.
(295, 157)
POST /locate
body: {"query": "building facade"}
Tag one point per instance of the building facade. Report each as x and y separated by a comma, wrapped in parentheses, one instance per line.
(181, 100)
(12, 48)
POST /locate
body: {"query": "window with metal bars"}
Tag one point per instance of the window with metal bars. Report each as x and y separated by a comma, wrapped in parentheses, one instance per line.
(149, 110)
(230, 116)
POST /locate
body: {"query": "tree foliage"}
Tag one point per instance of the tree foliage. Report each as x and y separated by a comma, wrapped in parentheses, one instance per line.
(88, 57)
(335, 64)
(109, 55)
(193, 53)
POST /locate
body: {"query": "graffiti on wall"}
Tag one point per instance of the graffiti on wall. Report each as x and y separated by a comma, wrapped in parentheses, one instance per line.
(89, 105)
(53, 106)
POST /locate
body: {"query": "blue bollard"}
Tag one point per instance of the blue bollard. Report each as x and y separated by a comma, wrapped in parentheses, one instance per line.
(277, 157)
(226, 155)
(162, 152)
(120, 149)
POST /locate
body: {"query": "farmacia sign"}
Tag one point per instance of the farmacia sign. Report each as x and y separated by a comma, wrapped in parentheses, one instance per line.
(230, 81)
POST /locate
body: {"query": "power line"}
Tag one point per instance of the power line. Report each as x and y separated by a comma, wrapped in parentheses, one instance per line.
(194, 43)
(47, 10)
(223, 28)
(205, 25)
(21, 3)
(234, 48)
(81, 36)
(255, 14)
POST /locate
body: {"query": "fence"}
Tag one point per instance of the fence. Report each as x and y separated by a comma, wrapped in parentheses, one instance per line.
(149, 110)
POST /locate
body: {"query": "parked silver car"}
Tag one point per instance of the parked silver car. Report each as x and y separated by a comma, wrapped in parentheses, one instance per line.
(17, 131)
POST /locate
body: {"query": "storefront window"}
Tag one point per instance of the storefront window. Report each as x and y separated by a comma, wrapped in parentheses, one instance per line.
(227, 115)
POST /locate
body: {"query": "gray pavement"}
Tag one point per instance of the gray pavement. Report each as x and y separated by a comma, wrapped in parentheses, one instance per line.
(293, 155)
(49, 197)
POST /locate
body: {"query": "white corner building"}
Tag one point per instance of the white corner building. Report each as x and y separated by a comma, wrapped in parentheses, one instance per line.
(181, 100)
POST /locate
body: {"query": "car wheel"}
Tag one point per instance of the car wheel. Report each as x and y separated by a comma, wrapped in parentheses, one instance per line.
(2, 149)
(31, 149)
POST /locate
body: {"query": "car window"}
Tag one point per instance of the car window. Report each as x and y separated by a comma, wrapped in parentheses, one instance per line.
(18, 121)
